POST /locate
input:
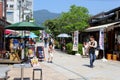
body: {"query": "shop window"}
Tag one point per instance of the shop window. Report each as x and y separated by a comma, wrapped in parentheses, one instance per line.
(11, 0)
(7, 5)
(11, 6)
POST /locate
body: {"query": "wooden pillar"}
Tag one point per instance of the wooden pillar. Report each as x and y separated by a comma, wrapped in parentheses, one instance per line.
(1, 9)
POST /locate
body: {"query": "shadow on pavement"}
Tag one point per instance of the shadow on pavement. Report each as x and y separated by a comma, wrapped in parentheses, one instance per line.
(77, 79)
(20, 79)
(86, 65)
(82, 77)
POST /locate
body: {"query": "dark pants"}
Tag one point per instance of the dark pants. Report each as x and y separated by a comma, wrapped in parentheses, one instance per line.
(45, 44)
(92, 58)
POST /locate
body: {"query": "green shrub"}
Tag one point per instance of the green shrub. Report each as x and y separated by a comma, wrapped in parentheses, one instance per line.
(57, 45)
(69, 47)
(80, 48)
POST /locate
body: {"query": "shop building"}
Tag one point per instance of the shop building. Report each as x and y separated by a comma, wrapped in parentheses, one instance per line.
(110, 22)
(19, 10)
(2, 24)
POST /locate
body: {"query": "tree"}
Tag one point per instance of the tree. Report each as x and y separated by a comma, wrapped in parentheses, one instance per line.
(52, 26)
(36, 32)
(75, 19)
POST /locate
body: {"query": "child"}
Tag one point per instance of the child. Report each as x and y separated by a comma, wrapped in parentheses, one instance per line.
(50, 53)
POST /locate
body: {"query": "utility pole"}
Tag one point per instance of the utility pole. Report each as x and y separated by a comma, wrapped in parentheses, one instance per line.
(5, 3)
(19, 10)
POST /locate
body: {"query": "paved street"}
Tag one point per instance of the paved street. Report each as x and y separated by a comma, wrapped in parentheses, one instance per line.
(70, 67)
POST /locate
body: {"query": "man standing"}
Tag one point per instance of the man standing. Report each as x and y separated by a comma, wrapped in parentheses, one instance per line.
(92, 47)
(45, 41)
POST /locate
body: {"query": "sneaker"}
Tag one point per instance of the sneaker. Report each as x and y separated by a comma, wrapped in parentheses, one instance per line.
(91, 66)
(48, 61)
(51, 62)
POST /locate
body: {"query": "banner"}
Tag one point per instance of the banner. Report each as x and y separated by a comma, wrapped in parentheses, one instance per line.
(75, 43)
(101, 39)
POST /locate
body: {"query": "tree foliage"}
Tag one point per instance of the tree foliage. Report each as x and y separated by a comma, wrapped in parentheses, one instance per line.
(36, 32)
(75, 19)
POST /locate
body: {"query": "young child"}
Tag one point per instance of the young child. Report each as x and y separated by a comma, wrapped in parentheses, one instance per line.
(50, 53)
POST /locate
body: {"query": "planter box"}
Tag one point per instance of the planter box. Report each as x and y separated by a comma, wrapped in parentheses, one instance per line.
(114, 57)
(109, 56)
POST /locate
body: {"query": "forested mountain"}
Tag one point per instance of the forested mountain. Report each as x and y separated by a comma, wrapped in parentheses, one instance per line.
(42, 15)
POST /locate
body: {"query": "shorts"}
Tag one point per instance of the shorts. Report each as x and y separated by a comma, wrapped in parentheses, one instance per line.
(50, 55)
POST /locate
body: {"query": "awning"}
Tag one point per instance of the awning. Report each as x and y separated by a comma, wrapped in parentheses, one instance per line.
(97, 28)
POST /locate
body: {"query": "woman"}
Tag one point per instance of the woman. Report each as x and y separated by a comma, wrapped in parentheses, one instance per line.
(50, 53)
(92, 47)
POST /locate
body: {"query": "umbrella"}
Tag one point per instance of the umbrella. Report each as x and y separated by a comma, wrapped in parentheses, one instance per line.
(24, 26)
(7, 31)
(63, 35)
(32, 35)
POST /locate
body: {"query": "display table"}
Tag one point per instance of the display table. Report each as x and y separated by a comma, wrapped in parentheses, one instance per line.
(22, 66)
(4, 71)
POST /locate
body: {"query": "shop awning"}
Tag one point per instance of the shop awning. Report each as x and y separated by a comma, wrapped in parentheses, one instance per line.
(97, 28)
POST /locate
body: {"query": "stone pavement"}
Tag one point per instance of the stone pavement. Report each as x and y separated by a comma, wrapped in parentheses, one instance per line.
(70, 67)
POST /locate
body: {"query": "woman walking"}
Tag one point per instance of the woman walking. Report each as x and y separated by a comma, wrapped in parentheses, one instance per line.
(92, 47)
(50, 53)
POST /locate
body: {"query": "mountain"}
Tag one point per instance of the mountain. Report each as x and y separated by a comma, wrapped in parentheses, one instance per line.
(42, 15)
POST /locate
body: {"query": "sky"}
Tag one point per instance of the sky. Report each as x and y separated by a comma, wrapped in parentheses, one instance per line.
(58, 6)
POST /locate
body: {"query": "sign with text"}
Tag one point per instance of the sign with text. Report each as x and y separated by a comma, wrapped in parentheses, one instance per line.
(101, 39)
(75, 43)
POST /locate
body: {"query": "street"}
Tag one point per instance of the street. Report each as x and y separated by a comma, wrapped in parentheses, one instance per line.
(73, 26)
(71, 67)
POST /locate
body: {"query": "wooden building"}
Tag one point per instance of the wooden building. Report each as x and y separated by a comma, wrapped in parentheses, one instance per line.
(110, 22)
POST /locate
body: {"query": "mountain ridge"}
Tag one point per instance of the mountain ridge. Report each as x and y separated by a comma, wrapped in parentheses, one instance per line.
(41, 16)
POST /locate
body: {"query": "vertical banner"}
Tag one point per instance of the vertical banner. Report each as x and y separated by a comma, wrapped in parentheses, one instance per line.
(101, 39)
(75, 42)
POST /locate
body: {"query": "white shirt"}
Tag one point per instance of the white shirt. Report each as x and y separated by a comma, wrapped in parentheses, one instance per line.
(95, 44)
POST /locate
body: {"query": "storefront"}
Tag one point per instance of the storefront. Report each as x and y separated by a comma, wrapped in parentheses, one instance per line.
(110, 22)
(2, 23)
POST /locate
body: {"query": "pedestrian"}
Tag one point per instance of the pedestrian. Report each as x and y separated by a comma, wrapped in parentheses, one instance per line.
(45, 42)
(50, 53)
(85, 44)
(92, 47)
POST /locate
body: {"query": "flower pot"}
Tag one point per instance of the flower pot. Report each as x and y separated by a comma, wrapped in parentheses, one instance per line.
(114, 57)
(109, 56)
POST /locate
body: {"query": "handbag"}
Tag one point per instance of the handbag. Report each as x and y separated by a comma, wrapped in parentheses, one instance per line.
(96, 52)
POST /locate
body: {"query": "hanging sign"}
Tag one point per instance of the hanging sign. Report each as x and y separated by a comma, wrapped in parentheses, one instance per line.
(75, 43)
(101, 39)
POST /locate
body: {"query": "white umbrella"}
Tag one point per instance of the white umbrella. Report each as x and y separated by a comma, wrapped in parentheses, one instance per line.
(63, 35)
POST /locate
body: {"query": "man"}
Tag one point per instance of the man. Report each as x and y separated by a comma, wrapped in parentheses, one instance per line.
(92, 47)
(45, 41)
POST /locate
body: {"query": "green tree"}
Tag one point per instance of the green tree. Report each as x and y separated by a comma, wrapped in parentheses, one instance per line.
(36, 32)
(75, 19)
(52, 26)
